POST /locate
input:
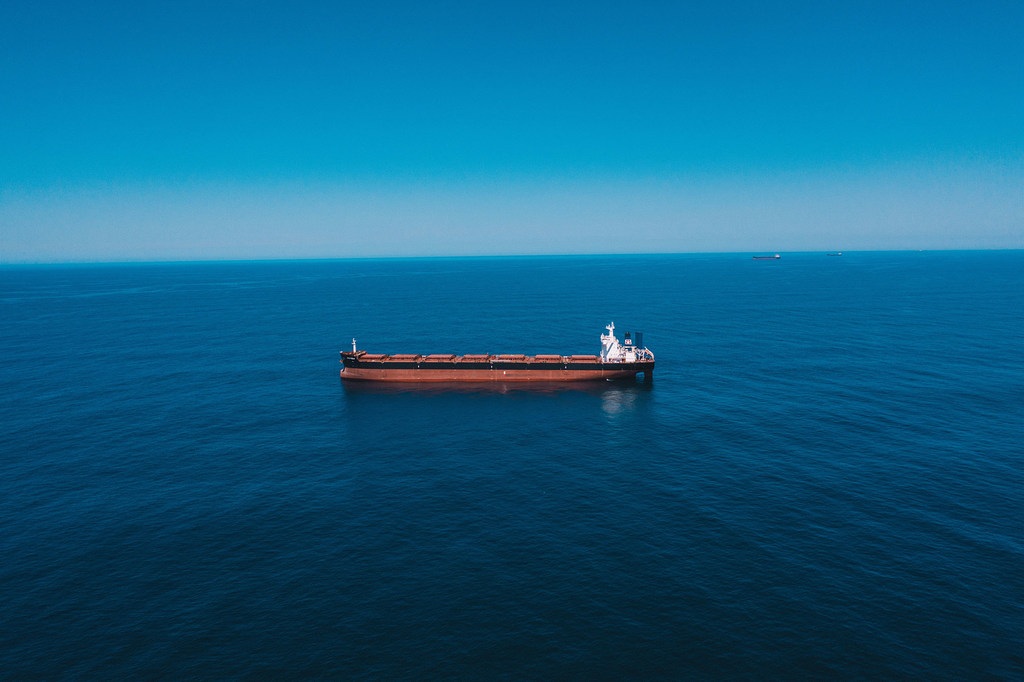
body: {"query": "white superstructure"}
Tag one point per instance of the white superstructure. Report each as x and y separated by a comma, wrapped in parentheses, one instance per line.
(613, 351)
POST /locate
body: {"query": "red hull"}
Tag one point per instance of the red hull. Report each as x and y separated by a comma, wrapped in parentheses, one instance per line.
(604, 372)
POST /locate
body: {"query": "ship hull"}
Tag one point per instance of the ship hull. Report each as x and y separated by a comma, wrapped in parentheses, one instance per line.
(354, 370)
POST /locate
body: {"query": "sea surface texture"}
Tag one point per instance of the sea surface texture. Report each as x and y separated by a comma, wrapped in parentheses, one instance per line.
(825, 479)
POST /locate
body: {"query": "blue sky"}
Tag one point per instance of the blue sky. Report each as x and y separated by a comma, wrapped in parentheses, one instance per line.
(137, 131)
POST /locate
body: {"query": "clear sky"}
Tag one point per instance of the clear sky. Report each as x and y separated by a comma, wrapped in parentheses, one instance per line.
(193, 130)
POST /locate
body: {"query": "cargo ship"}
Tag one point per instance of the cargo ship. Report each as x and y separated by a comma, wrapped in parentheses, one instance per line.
(617, 360)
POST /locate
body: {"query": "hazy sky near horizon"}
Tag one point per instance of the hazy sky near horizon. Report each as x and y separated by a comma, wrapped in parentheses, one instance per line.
(188, 130)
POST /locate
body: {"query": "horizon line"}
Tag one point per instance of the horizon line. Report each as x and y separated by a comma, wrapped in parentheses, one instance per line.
(523, 256)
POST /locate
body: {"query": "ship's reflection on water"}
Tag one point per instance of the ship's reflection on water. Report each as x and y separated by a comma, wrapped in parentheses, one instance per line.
(424, 407)
(620, 399)
(616, 394)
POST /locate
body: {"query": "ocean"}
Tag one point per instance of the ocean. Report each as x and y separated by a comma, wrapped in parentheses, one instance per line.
(824, 480)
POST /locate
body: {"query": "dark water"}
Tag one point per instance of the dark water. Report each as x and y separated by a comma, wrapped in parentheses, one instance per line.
(826, 478)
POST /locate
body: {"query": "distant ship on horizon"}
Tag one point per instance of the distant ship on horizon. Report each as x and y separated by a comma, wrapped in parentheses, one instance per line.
(767, 257)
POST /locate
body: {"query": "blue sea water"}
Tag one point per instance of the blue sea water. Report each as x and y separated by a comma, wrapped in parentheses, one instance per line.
(825, 479)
